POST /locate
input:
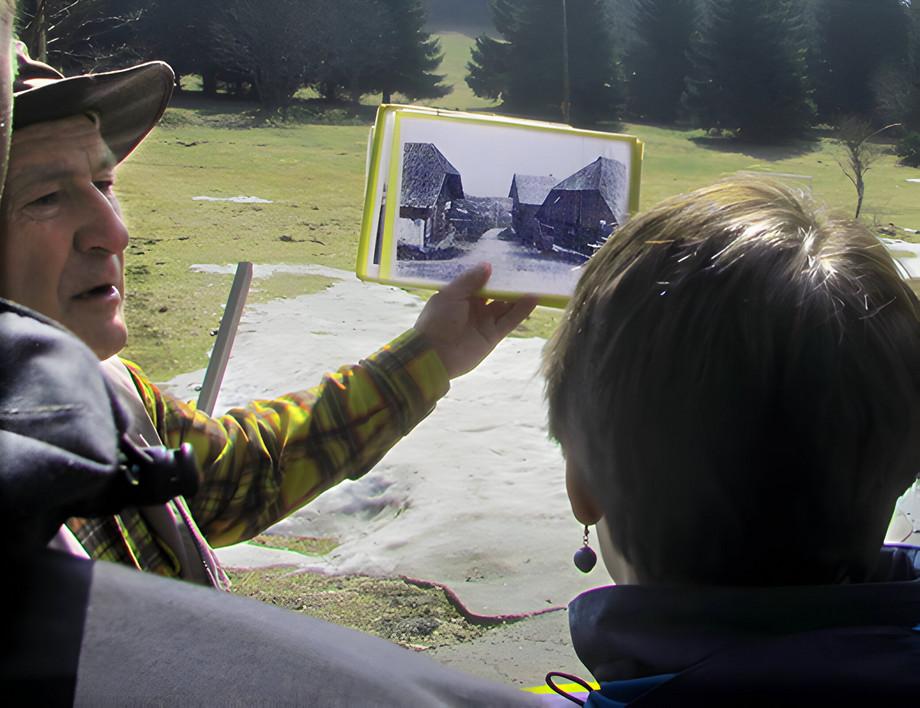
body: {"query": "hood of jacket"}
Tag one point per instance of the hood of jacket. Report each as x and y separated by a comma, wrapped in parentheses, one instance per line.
(632, 631)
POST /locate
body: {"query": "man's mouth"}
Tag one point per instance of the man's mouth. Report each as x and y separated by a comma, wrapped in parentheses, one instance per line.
(100, 291)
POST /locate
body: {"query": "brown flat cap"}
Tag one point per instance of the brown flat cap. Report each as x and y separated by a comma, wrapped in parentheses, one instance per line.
(129, 102)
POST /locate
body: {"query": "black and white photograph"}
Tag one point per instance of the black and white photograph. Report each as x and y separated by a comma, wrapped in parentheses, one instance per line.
(535, 203)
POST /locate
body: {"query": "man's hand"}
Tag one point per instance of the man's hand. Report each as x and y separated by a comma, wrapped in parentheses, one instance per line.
(463, 328)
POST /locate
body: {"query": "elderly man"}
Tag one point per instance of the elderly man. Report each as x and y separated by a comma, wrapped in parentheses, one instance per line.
(62, 244)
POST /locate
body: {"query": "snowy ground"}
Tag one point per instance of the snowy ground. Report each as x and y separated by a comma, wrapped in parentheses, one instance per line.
(473, 498)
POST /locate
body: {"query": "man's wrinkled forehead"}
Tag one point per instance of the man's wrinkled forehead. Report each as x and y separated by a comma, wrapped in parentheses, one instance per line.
(80, 131)
(43, 146)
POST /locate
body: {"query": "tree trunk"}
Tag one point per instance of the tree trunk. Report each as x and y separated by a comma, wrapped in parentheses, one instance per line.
(209, 81)
(329, 91)
(39, 34)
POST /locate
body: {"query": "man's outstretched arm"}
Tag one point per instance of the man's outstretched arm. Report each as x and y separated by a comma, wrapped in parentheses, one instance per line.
(264, 461)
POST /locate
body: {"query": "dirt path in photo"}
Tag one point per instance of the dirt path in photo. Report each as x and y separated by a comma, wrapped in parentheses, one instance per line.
(515, 267)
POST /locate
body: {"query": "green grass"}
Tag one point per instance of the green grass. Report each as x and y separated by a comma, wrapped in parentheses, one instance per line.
(306, 545)
(314, 176)
(280, 286)
(678, 160)
(419, 618)
(456, 48)
(313, 171)
(417, 615)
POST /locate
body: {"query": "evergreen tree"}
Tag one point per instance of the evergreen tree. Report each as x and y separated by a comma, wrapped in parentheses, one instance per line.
(910, 115)
(490, 65)
(595, 73)
(858, 39)
(658, 60)
(371, 46)
(353, 45)
(748, 71)
(525, 67)
(535, 78)
(416, 55)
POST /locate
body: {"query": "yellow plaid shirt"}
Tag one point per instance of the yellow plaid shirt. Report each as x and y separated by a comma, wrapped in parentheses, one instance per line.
(264, 461)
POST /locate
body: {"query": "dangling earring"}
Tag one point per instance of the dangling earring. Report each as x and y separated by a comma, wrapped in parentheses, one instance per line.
(585, 557)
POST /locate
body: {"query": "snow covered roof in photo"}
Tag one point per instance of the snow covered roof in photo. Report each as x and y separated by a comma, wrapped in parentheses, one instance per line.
(532, 189)
(605, 176)
(424, 171)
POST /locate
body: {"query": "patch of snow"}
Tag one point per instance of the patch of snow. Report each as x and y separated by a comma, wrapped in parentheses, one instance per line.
(906, 255)
(236, 200)
(260, 270)
(474, 497)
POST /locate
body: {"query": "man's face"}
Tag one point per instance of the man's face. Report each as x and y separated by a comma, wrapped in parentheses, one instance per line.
(62, 239)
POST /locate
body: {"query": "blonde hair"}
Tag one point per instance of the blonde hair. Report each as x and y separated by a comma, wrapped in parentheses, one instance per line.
(737, 374)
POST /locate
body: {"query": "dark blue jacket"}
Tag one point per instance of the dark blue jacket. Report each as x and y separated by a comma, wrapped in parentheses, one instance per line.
(855, 644)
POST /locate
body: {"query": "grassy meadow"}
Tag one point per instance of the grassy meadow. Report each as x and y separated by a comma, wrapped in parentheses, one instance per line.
(456, 48)
(313, 174)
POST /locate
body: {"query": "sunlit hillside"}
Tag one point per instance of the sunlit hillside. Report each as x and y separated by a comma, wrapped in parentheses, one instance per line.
(467, 16)
(456, 48)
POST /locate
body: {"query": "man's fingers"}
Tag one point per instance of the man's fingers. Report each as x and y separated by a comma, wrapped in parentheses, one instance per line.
(514, 314)
(468, 282)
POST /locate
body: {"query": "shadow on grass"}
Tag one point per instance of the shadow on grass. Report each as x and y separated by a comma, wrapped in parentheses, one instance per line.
(770, 153)
(235, 113)
(231, 112)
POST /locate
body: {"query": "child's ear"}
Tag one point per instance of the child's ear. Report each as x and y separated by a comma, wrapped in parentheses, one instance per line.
(581, 496)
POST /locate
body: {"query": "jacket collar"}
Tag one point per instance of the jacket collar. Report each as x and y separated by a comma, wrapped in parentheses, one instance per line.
(629, 631)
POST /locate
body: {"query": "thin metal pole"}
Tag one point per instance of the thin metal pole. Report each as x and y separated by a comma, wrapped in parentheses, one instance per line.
(217, 364)
(566, 89)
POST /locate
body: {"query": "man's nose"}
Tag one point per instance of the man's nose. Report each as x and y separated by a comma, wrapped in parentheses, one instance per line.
(100, 225)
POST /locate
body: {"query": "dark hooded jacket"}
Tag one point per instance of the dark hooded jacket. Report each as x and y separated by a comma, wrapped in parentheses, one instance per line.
(855, 644)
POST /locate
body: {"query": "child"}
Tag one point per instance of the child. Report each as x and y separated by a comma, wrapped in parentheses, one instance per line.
(736, 388)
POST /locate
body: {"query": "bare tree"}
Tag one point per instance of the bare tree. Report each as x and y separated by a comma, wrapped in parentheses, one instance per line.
(78, 34)
(853, 136)
(275, 49)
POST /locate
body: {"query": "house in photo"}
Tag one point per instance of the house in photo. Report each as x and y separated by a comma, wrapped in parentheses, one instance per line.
(581, 211)
(429, 186)
(528, 192)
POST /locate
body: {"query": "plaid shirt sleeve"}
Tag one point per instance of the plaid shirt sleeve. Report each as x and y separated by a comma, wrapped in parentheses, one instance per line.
(261, 462)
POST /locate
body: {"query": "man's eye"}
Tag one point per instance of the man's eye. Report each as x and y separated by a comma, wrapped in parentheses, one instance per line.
(104, 185)
(48, 200)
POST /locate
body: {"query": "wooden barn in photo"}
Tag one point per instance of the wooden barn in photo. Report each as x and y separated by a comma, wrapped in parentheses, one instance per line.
(581, 211)
(528, 193)
(429, 185)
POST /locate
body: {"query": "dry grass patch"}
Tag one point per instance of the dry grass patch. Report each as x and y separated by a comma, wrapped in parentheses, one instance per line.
(391, 608)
